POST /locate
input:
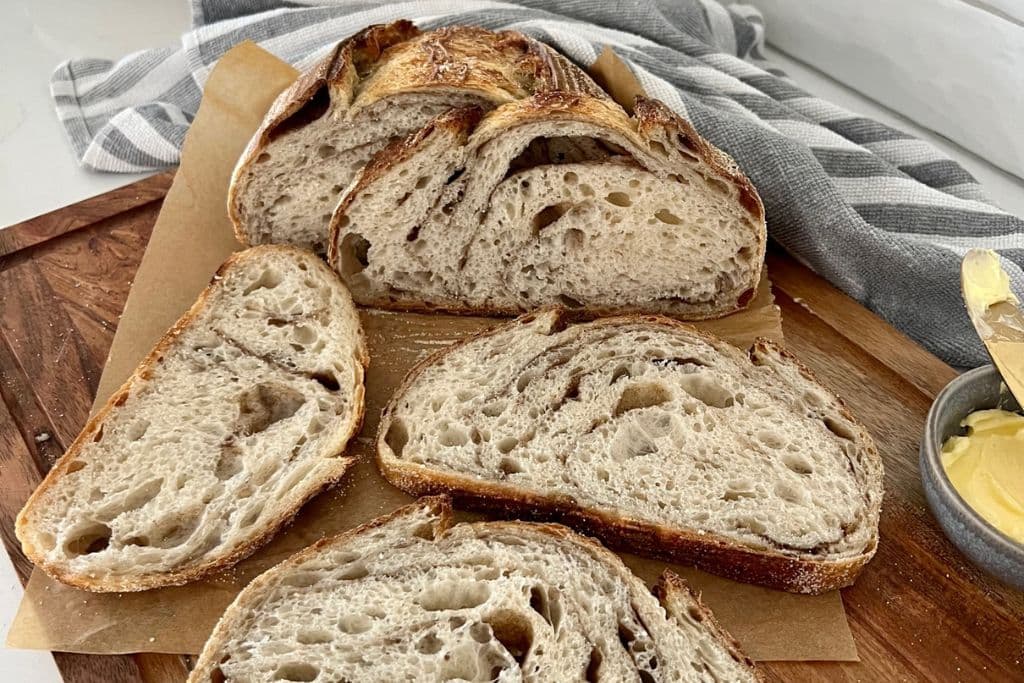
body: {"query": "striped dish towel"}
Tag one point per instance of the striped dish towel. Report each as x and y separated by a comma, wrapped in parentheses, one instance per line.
(884, 216)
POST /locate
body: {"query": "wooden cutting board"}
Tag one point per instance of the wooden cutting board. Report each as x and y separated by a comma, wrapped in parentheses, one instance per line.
(919, 611)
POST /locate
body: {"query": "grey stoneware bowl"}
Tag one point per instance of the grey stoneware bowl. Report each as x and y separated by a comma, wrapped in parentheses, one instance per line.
(985, 546)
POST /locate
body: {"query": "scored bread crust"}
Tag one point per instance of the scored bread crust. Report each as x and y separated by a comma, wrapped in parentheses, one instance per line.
(652, 122)
(671, 590)
(426, 66)
(189, 573)
(707, 551)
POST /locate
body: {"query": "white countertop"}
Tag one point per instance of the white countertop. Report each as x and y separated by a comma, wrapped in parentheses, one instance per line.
(38, 172)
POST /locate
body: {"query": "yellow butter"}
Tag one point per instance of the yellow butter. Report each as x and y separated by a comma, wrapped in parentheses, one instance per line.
(986, 467)
(985, 283)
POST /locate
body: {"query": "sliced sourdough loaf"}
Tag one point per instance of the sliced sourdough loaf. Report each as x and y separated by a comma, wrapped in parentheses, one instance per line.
(380, 84)
(237, 417)
(409, 597)
(650, 435)
(559, 198)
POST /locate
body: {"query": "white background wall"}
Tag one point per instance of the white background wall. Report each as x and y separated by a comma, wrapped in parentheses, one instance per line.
(953, 66)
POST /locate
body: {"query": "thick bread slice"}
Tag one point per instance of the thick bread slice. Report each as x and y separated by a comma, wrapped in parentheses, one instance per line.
(560, 198)
(381, 84)
(409, 597)
(237, 417)
(650, 435)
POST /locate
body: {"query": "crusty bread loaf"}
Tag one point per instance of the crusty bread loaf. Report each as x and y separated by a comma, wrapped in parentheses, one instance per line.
(651, 436)
(409, 597)
(237, 417)
(380, 84)
(559, 198)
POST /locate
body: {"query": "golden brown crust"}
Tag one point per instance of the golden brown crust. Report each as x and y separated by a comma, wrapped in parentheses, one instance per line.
(721, 556)
(397, 58)
(192, 573)
(338, 70)
(672, 587)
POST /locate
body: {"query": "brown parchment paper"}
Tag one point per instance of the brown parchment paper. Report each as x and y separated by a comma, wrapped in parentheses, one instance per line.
(190, 239)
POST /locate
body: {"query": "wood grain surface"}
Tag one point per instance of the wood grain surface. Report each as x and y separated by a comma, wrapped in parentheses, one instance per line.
(919, 611)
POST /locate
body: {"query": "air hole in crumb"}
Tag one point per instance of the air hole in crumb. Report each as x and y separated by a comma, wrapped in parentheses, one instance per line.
(666, 216)
(92, 538)
(355, 254)
(429, 644)
(268, 279)
(397, 437)
(797, 463)
(510, 466)
(75, 466)
(137, 429)
(296, 671)
(619, 199)
(424, 531)
(718, 186)
(422, 182)
(355, 623)
(771, 439)
(547, 603)
(788, 492)
(229, 462)
(353, 572)
(326, 151)
(840, 427)
(494, 409)
(453, 595)
(413, 234)
(524, 380)
(99, 435)
(706, 390)
(327, 381)
(570, 178)
(752, 525)
(658, 148)
(264, 405)
(513, 631)
(453, 436)
(263, 158)
(301, 579)
(569, 302)
(620, 372)
(507, 444)
(641, 395)
(572, 239)
(313, 637)
(549, 215)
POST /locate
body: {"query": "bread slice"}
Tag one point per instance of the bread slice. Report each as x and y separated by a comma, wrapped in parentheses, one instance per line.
(651, 436)
(381, 84)
(236, 418)
(560, 198)
(409, 597)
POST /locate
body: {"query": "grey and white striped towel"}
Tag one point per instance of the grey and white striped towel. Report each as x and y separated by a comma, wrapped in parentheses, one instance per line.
(884, 216)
